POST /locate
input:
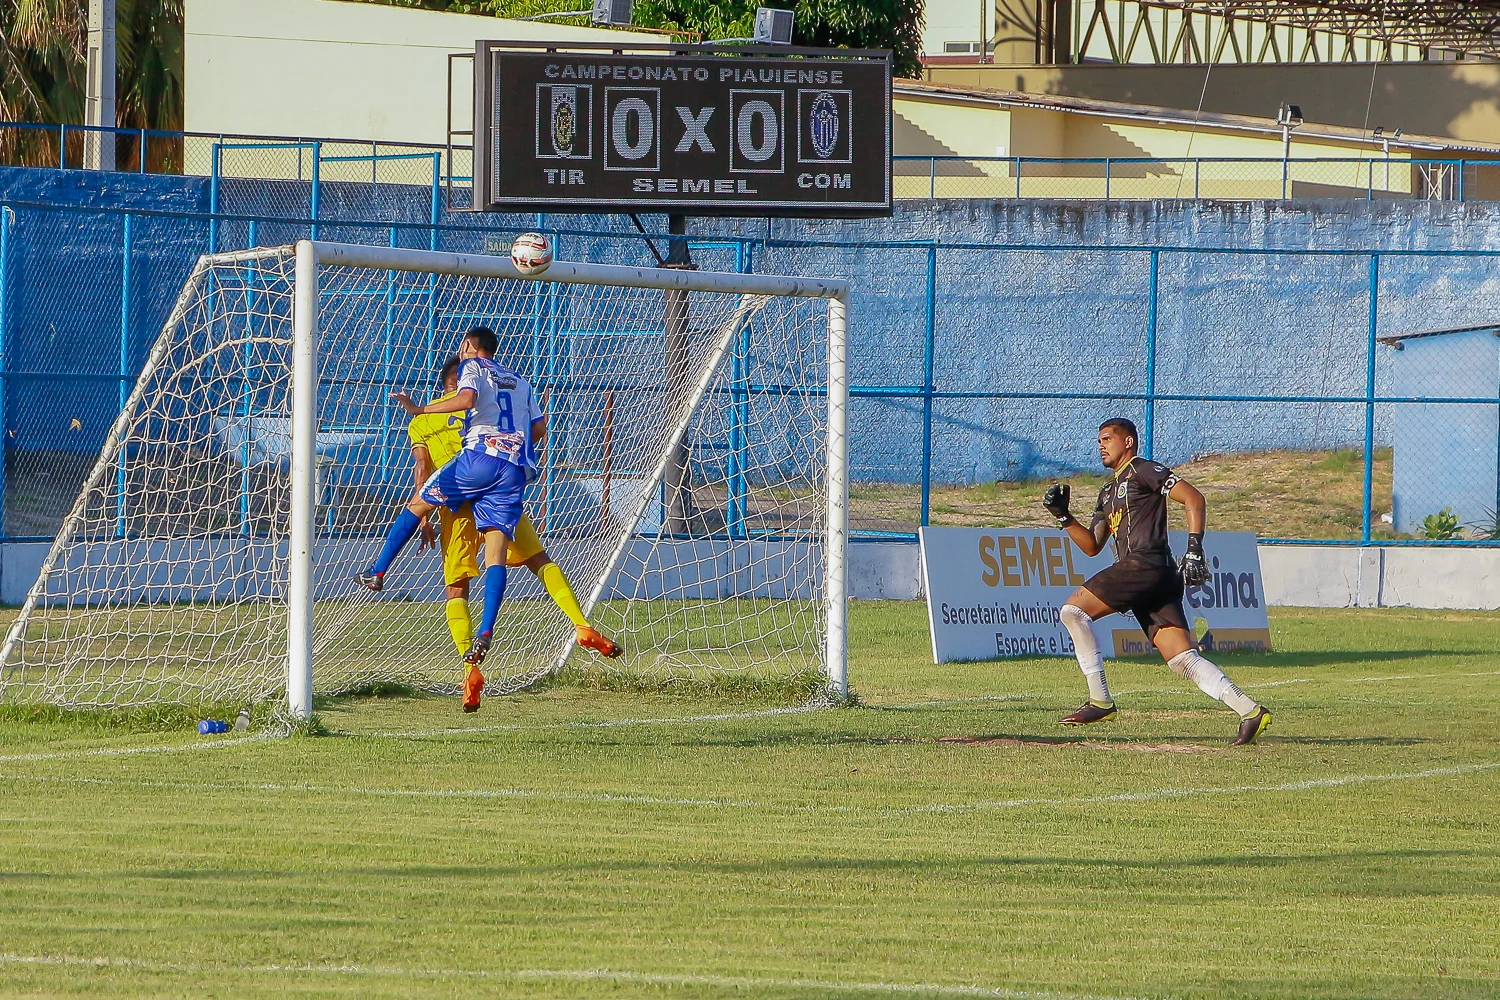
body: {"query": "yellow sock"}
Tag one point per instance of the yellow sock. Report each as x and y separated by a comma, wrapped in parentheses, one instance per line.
(557, 585)
(457, 610)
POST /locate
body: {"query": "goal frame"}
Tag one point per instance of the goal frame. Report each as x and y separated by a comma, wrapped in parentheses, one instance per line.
(312, 255)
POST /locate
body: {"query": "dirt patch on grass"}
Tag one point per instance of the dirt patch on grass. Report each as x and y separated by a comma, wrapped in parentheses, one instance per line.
(1174, 715)
(1055, 742)
(1276, 494)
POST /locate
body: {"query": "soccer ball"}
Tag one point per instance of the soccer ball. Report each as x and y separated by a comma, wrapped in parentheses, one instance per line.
(531, 253)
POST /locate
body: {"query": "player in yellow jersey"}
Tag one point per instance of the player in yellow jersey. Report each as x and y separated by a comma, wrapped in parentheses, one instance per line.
(435, 439)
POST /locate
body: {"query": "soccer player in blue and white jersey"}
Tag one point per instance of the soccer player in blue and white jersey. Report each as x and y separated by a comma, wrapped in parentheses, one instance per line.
(501, 431)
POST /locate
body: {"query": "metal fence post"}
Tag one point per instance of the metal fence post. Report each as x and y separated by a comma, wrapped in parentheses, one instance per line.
(437, 199)
(932, 177)
(124, 386)
(7, 219)
(1460, 180)
(246, 394)
(62, 147)
(316, 166)
(927, 386)
(213, 199)
(386, 332)
(1197, 171)
(1148, 439)
(739, 420)
(141, 149)
(1370, 397)
(1106, 177)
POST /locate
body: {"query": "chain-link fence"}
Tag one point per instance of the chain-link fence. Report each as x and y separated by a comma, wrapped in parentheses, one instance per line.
(224, 158)
(1203, 177)
(1312, 395)
(294, 177)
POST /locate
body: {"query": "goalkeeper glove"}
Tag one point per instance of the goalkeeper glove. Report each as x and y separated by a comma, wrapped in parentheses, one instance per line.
(1056, 502)
(1194, 566)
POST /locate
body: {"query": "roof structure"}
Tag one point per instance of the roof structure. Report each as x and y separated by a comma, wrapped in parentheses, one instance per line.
(1278, 31)
(1470, 26)
(1427, 145)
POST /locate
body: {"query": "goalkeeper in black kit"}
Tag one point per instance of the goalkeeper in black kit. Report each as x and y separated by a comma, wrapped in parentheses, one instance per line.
(1143, 581)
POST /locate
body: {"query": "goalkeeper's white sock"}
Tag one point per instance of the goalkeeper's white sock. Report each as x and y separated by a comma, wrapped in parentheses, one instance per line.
(1212, 682)
(1078, 623)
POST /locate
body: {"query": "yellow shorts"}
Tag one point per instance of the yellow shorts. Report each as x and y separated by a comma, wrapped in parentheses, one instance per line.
(462, 544)
(526, 543)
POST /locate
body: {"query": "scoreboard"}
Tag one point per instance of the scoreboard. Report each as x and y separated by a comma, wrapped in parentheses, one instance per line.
(753, 133)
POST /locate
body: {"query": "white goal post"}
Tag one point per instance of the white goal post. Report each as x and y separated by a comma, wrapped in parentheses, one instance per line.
(228, 432)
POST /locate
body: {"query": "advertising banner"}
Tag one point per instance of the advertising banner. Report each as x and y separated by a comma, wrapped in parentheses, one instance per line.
(996, 592)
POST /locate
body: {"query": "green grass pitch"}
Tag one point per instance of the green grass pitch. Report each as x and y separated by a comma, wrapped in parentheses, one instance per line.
(945, 839)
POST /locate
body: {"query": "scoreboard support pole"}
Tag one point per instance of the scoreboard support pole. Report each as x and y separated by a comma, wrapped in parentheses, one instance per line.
(678, 483)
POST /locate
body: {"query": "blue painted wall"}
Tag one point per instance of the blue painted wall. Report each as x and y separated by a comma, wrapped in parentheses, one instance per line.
(1446, 453)
(1072, 317)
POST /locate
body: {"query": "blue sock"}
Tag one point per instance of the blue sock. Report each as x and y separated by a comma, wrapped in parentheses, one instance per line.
(399, 535)
(494, 589)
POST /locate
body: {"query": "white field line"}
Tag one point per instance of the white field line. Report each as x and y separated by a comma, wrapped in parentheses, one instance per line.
(1321, 680)
(806, 709)
(597, 724)
(233, 741)
(576, 975)
(397, 793)
(665, 720)
(1308, 784)
(956, 701)
(456, 731)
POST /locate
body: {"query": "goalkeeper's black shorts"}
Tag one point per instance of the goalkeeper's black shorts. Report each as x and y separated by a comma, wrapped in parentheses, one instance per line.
(1146, 586)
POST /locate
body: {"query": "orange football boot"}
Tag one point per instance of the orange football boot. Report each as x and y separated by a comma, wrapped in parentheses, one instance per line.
(591, 638)
(473, 688)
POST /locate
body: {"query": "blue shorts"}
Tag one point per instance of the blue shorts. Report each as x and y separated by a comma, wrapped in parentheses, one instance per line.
(493, 485)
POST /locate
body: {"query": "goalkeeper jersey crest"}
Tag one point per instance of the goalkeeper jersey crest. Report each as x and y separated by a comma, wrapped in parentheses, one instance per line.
(499, 424)
(1134, 504)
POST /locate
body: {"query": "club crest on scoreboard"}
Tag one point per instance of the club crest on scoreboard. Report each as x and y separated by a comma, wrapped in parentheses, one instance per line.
(826, 121)
(564, 121)
(823, 124)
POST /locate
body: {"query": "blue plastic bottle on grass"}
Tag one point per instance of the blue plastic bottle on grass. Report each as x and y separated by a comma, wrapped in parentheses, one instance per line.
(210, 726)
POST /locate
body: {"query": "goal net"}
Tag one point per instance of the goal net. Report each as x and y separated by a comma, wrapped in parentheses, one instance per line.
(692, 486)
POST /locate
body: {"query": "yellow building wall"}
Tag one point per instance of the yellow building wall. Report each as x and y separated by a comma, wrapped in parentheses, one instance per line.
(1458, 100)
(346, 70)
(939, 126)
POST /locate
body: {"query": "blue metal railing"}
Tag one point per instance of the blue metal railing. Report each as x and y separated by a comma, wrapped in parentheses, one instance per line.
(1370, 178)
(925, 396)
(1111, 178)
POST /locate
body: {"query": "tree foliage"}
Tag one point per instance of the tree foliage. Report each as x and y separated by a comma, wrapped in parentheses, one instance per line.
(857, 24)
(43, 66)
(43, 55)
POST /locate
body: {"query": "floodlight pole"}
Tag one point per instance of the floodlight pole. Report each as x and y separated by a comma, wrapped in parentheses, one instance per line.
(678, 483)
(99, 95)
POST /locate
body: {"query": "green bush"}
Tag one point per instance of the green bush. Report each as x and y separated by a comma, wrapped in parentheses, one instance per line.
(1442, 526)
